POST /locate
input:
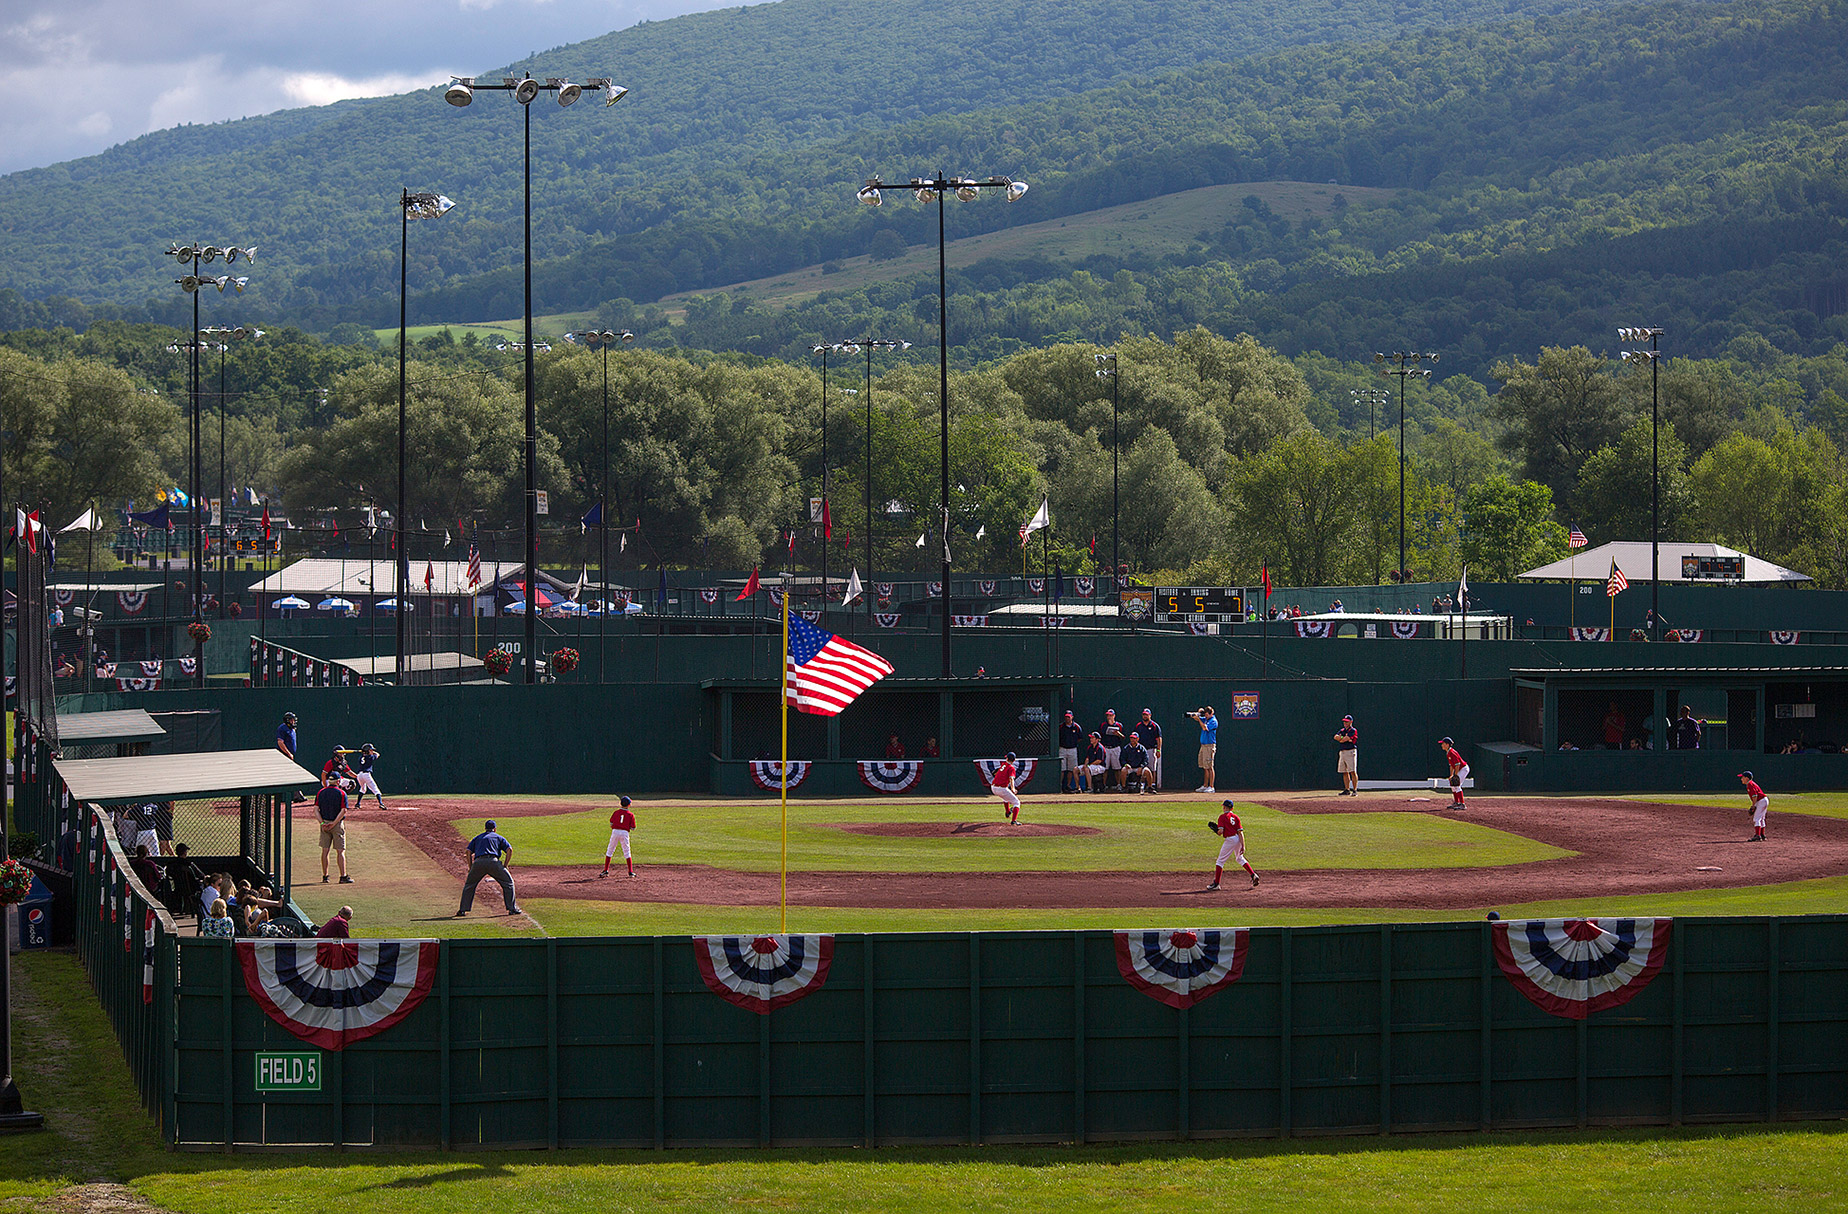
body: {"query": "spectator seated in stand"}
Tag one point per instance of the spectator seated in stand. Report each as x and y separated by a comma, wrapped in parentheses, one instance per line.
(930, 749)
(217, 921)
(1138, 770)
(895, 749)
(146, 870)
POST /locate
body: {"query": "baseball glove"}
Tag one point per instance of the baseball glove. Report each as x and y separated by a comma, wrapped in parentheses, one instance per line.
(1212, 824)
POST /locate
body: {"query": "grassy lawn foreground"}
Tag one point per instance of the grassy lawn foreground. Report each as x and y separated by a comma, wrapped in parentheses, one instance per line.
(70, 1069)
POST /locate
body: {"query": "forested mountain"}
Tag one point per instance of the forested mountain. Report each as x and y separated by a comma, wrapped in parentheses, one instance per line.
(749, 124)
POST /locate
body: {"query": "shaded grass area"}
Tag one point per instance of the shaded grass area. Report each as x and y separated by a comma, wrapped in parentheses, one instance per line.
(566, 917)
(71, 1070)
(1137, 834)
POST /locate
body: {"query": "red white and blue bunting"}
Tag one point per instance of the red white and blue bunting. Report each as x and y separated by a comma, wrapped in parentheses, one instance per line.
(137, 684)
(708, 596)
(1180, 968)
(890, 775)
(969, 621)
(132, 602)
(1573, 967)
(767, 773)
(333, 993)
(148, 937)
(763, 973)
(1315, 628)
(812, 616)
(1023, 770)
(189, 666)
(1036, 585)
(776, 598)
(150, 669)
(1779, 637)
(886, 619)
(1198, 629)
(985, 587)
(1590, 634)
(885, 591)
(934, 589)
(1405, 630)
(1686, 634)
(1083, 586)
(63, 597)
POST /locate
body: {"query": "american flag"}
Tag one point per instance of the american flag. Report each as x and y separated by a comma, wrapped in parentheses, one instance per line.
(1575, 538)
(474, 563)
(1618, 582)
(822, 673)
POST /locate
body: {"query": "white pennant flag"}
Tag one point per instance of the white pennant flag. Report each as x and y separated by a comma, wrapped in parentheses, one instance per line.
(1463, 591)
(919, 544)
(87, 521)
(981, 531)
(624, 545)
(583, 581)
(1041, 518)
(854, 588)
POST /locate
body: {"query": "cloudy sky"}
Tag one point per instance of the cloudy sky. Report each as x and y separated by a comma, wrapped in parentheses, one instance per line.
(84, 75)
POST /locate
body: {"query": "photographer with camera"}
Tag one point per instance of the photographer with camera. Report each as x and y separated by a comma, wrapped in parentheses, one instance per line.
(1209, 743)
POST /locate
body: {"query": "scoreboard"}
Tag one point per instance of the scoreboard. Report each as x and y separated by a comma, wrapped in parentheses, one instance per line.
(1199, 605)
(1714, 568)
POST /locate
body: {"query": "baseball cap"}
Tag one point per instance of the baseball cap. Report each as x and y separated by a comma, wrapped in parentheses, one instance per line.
(1110, 712)
(1745, 775)
(1148, 712)
(1095, 734)
(626, 802)
(1347, 718)
(490, 823)
(1135, 735)
(1010, 756)
(1445, 742)
(1068, 712)
(1227, 803)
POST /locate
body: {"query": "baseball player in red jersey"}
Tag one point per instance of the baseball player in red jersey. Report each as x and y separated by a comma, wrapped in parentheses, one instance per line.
(1761, 806)
(621, 823)
(1002, 785)
(1459, 771)
(1227, 827)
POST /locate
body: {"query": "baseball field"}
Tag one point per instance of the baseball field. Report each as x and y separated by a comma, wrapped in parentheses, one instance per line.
(894, 864)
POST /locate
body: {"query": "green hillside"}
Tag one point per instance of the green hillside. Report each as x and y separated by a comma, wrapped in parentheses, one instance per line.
(717, 99)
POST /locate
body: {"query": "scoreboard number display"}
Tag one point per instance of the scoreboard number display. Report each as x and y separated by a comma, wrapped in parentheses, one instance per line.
(1713, 568)
(1199, 605)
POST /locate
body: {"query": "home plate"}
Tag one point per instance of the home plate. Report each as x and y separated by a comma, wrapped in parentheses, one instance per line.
(1708, 868)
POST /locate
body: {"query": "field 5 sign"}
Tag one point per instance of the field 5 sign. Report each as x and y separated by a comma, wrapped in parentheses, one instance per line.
(289, 1071)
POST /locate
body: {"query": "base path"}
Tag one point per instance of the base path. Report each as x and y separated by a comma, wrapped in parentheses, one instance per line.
(1621, 848)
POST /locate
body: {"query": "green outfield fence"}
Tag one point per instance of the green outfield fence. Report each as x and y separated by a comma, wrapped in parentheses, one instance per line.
(1017, 1037)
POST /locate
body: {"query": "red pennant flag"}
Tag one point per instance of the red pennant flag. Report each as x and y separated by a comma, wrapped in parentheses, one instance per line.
(846, 540)
(1264, 580)
(266, 522)
(827, 521)
(208, 543)
(750, 588)
(1094, 543)
(32, 528)
(792, 539)
(429, 575)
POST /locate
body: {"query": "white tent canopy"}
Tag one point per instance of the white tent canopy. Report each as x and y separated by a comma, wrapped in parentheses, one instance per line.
(1632, 556)
(319, 577)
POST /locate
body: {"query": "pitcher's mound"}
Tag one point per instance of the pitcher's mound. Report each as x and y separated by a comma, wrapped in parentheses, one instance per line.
(949, 830)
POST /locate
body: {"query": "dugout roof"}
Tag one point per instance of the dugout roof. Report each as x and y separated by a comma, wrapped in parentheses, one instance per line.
(225, 773)
(124, 725)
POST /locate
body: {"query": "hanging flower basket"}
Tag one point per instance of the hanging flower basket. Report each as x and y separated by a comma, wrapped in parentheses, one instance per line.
(1637, 634)
(15, 882)
(498, 662)
(564, 661)
(199, 631)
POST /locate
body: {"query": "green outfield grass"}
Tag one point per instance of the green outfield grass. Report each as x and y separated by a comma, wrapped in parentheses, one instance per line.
(1819, 804)
(70, 1069)
(1139, 834)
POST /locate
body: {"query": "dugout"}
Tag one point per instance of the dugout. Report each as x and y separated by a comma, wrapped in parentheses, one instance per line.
(1752, 715)
(107, 735)
(230, 808)
(968, 719)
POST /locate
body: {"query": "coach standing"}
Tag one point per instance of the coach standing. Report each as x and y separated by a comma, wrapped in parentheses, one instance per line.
(285, 736)
(1347, 757)
(487, 853)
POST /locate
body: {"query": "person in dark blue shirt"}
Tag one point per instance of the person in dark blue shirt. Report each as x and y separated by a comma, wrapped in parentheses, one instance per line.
(1071, 740)
(285, 735)
(487, 853)
(1687, 730)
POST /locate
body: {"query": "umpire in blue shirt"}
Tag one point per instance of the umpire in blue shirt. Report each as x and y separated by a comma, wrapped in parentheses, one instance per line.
(487, 853)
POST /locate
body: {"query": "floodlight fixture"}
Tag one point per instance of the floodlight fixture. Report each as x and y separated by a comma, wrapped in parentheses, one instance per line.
(461, 92)
(869, 195)
(526, 90)
(1016, 190)
(612, 93)
(567, 91)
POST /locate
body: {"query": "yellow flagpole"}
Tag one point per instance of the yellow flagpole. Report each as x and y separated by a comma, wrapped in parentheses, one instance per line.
(783, 716)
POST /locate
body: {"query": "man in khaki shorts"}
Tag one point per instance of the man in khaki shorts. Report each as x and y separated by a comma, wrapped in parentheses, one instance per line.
(1209, 739)
(330, 805)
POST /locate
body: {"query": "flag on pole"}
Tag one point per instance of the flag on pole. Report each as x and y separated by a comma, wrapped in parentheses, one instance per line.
(1264, 580)
(429, 577)
(592, 518)
(583, 581)
(1041, 518)
(827, 521)
(1617, 583)
(159, 517)
(474, 562)
(89, 520)
(920, 542)
(32, 530)
(823, 673)
(1463, 591)
(266, 523)
(981, 531)
(1576, 538)
(1094, 543)
(750, 588)
(854, 588)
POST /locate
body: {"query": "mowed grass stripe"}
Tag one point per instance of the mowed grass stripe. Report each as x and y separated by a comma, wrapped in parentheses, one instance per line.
(1138, 834)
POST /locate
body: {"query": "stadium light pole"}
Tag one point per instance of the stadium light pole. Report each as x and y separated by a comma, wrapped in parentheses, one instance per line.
(869, 344)
(1653, 356)
(1107, 369)
(927, 190)
(525, 90)
(1373, 398)
(411, 206)
(196, 257)
(841, 347)
(1402, 363)
(223, 338)
(595, 339)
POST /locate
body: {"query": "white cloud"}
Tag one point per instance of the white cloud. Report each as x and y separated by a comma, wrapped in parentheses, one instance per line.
(139, 66)
(325, 88)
